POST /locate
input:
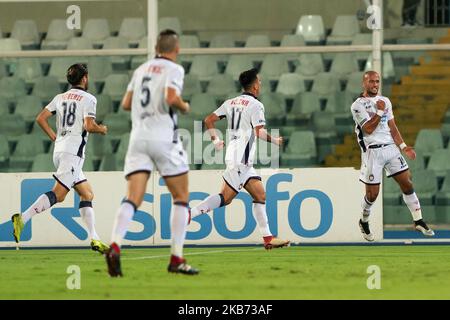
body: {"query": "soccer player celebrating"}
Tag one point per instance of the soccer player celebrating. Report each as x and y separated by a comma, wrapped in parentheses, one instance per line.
(153, 96)
(75, 118)
(245, 116)
(381, 142)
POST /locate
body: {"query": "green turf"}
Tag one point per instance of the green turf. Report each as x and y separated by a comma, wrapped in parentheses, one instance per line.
(407, 272)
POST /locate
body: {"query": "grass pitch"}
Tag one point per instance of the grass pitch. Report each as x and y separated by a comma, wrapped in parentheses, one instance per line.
(407, 272)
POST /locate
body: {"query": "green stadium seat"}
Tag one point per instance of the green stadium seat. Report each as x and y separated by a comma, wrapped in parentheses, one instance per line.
(417, 164)
(11, 88)
(59, 66)
(392, 194)
(354, 83)
(4, 107)
(58, 35)
(89, 163)
(273, 66)
(274, 107)
(304, 105)
(116, 86)
(292, 40)
(3, 70)
(188, 42)
(439, 162)
(425, 185)
(397, 214)
(117, 43)
(28, 146)
(104, 107)
(191, 86)
(343, 65)
(117, 125)
(43, 163)
(28, 69)
(4, 149)
(202, 104)
(204, 66)
(81, 43)
(133, 29)
(26, 32)
(96, 30)
(301, 150)
(38, 132)
(237, 64)
(324, 126)
(98, 146)
(108, 163)
(170, 23)
(326, 84)
(12, 126)
(123, 145)
(28, 107)
(290, 84)
(362, 39)
(311, 27)
(221, 86)
(344, 29)
(257, 41)
(46, 88)
(99, 68)
(429, 140)
(222, 40)
(309, 65)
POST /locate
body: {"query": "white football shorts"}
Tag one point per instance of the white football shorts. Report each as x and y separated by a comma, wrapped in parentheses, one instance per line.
(144, 156)
(69, 171)
(237, 177)
(373, 161)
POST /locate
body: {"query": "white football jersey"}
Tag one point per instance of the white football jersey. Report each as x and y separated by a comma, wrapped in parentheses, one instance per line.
(243, 114)
(71, 108)
(363, 109)
(152, 118)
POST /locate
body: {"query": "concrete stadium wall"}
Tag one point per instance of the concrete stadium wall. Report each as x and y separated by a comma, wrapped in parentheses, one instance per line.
(303, 205)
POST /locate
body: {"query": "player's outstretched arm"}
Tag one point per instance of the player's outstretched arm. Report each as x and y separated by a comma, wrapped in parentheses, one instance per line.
(93, 127)
(174, 100)
(262, 134)
(42, 120)
(409, 151)
(210, 125)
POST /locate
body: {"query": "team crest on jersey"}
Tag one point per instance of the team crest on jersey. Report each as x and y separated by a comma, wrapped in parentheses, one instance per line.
(240, 186)
(371, 177)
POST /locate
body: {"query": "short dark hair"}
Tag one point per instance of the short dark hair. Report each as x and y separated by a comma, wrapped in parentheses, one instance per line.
(167, 40)
(247, 78)
(76, 72)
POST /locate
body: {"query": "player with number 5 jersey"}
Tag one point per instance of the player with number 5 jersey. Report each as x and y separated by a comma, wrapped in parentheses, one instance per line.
(75, 118)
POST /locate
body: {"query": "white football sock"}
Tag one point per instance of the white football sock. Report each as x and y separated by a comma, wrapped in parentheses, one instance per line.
(366, 206)
(259, 212)
(122, 222)
(178, 224)
(42, 203)
(88, 216)
(207, 205)
(413, 204)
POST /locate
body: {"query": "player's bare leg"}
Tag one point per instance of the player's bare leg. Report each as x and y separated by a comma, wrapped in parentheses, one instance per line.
(226, 195)
(256, 190)
(44, 202)
(372, 191)
(137, 184)
(84, 190)
(409, 196)
(178, 187)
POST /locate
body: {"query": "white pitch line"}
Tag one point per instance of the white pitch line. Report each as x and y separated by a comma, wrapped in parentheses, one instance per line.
(189, 254)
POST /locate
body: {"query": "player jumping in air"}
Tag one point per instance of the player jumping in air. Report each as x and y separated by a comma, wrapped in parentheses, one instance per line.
(245, 116)
(75, 118)
(381, 142)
